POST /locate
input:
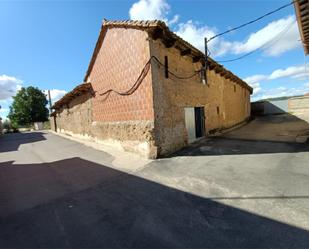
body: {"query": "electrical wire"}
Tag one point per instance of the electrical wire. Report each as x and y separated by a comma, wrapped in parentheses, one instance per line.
(176, 76)
(267, 44)
(134, 87)
(252, 21)
(142, 76)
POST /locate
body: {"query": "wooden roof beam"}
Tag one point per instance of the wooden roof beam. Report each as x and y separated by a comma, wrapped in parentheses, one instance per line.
(185, 52)
(168, 42)
(219, 69)
(156, 33)
(211, 66)
(196, 59)
(228, 76)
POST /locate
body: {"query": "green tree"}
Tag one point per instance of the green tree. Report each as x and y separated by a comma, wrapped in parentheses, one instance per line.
(29, 106)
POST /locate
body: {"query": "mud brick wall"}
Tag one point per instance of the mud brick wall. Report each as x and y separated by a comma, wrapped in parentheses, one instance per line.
(172, 95)
(76, 117)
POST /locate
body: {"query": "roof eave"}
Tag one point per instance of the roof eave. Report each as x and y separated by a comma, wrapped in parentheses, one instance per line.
(302, 16)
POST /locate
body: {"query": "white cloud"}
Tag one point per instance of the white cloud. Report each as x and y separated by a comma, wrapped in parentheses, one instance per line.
(256, 88)
(174, 20)
(55, 94)
(279, 36)
(300, 72)
(282, 34)
(281, 92)
(195, 34)
(149, 10)
(9, 85)
(294, 71)
(255, 78)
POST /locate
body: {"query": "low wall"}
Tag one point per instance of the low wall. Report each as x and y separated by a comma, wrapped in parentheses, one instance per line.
(76, 120)
(299, 104)
(299, 107)
(288, 105)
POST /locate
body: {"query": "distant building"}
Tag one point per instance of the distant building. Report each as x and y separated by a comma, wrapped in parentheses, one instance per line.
(1, 128)
(144, 90)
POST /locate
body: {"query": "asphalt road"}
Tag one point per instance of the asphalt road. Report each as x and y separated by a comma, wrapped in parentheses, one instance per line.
(217, 193)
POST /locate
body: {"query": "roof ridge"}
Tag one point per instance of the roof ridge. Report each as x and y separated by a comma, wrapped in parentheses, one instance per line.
(153, 24)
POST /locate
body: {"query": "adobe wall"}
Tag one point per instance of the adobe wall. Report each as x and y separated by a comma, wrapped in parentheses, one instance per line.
(172, 95)
(76, 117)
(123, 121)
(75, 120)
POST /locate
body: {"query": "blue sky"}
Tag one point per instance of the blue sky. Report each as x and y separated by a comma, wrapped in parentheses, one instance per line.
(48, 44)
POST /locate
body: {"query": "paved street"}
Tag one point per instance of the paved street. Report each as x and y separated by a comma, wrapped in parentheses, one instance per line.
(219, 192)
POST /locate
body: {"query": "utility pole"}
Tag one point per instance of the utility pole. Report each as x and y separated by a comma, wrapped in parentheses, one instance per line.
(50, 103)
(206, 60)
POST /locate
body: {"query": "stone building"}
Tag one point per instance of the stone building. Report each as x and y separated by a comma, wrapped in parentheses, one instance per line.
(144, 90)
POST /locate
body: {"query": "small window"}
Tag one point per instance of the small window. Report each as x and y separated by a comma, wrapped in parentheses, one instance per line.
(235, 88)
(166, 66)
(218, 110)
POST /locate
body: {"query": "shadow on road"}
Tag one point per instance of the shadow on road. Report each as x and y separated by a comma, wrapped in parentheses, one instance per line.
(218, 146)
(11, 142)
(78, 203)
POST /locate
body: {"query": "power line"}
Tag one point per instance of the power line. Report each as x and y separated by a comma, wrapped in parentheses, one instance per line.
(134, 87)
(142, 76)
(175, 75)
(267, 44)
(253, 21)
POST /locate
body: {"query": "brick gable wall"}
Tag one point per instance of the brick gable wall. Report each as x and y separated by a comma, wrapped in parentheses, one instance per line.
(122, 56)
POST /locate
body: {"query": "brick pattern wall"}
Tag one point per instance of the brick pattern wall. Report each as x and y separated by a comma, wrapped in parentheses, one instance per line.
(171, 96)
(122, 56)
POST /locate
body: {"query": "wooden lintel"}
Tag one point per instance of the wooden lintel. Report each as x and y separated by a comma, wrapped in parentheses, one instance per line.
(157, 33)
(234, 78)
(223, 73)
(211, 66)
(185, 52)
(196, 58)
(169, 42)
(228, 76)
(218, 69)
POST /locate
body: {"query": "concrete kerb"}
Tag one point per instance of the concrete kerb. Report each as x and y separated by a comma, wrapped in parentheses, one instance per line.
(124, 160)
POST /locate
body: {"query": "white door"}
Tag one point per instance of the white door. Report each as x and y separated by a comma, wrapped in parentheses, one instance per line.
(190, 123)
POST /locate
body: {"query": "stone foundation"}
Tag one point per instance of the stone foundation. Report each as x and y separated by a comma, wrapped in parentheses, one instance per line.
(132, 136)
